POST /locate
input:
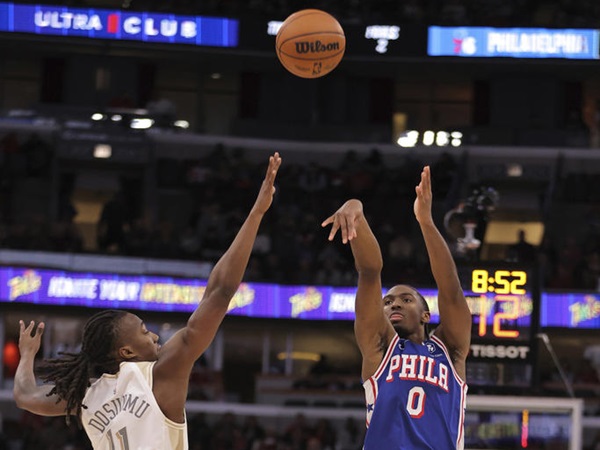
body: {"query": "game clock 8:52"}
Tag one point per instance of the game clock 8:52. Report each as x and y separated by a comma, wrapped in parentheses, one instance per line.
(500, 299)
(499, 281)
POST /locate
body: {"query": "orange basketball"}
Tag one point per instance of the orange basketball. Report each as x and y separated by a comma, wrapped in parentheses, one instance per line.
(310, 43)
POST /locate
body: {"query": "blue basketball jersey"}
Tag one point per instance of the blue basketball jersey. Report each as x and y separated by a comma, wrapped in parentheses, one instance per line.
(415, 399)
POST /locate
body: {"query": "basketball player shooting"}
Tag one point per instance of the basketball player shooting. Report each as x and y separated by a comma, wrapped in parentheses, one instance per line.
(127, 390)
(414, 383)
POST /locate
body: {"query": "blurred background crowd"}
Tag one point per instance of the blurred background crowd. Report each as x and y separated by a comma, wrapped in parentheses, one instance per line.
(291, 247)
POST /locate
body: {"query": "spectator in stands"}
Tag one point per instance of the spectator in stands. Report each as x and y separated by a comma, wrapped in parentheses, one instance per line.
(253, 432)
(321, 367)
(38, 154)
(312, 179)
(445, 169)
(138, 238)
(522, 251)
(297, 432)
(163, 111)
(65, 237)
(270, 441)
(325, 434)
(199, 432)
(224, 432)
(189, 243)
(9, 170)
(114, 217)
(118, 344)
(124, 100)
(351, 436)
(591, 271)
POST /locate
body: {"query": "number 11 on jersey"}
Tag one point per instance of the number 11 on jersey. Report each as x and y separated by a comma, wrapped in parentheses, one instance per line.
(123, 442)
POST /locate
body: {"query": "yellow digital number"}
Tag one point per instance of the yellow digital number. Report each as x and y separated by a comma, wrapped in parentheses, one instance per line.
(503, 285)
(520, 280)
(479, 281)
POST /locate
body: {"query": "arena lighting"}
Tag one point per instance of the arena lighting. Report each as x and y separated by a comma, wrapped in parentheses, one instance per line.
(428, 137)
(306, 356)
(141, 123)
(441, 139)
(97, 116)
(102, 151)
(184, 124)
(514, 170)
(408, 138)
(456, 138)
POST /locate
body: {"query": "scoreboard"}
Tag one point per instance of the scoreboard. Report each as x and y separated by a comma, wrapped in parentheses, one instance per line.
(503, 301)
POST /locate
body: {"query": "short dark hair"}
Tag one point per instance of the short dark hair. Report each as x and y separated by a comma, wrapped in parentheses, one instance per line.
(423, 301)
(425, 308)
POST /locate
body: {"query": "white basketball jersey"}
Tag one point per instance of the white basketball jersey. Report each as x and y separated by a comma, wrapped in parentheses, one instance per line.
(122, 413)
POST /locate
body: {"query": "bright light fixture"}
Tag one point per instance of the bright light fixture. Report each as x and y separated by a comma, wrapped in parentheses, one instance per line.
(141, 123)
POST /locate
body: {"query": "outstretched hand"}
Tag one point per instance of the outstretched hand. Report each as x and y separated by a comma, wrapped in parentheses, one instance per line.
(344, 219)
(267, 190)
(424, 198)
(28, 344)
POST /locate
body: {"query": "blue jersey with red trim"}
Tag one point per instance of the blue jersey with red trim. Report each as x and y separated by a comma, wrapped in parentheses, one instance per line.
(415, 399)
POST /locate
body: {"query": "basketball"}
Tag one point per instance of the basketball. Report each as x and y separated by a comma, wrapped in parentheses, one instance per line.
(310, 43)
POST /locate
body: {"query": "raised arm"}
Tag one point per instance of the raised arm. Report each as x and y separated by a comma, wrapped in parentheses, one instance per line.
(28, 395)
(177, 356)
(372, 329)
(455, 318)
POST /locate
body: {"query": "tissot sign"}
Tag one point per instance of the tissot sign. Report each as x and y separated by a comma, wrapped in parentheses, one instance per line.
(118, 25)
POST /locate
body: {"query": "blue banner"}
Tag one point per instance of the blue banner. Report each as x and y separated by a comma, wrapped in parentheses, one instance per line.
(570, 310)
(56, 287)
(102, 290)
(118, 25)
(487, 42)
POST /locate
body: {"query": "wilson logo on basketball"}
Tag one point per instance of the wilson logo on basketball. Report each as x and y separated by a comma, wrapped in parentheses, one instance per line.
(316, 47)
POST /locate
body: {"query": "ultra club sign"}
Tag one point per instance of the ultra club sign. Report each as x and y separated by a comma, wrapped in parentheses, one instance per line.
(119, 25)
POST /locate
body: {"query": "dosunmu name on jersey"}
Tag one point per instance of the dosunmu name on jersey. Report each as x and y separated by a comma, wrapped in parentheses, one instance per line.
(127, 403)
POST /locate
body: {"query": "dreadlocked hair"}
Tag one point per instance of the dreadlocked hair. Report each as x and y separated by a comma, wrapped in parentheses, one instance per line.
(71, 373)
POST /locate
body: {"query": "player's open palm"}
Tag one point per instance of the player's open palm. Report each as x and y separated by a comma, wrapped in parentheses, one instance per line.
(28, 344)
(344, 219)
(267, 190)
(424, 198)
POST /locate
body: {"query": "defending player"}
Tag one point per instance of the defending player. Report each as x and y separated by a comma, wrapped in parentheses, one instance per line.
(138, 388)
(414, 384)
